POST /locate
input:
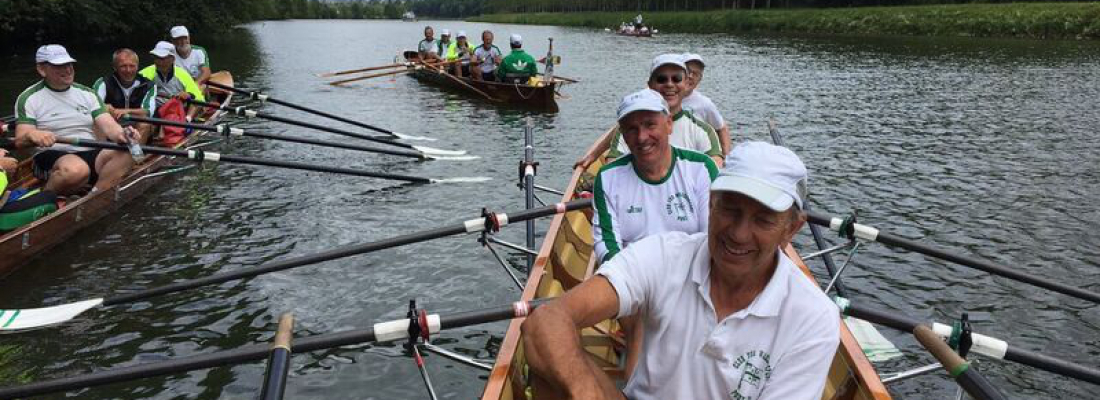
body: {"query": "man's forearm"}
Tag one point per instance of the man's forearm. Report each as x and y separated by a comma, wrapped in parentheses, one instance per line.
(553, 350)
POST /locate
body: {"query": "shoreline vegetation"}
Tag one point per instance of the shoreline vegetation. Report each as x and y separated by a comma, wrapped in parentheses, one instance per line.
(1078, 21)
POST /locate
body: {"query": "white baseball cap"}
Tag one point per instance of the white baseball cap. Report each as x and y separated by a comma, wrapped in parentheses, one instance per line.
(445, 32)
(642, 100)
(516, 39)
(460, 34)
(54, 54)
(689, 57)
(772, 175)
(667, 59)
(179, 31)
(163, 49)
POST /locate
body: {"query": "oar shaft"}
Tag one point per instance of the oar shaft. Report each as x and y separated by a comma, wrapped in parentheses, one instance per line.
(470, 226)
(360, 78)
(199, 155)
(353, 71)
(1007, 352)
(227, 130)
(264, 97)
(278, 361)
(393, 330)
(819, 239)
(241, 111)
(872, 234)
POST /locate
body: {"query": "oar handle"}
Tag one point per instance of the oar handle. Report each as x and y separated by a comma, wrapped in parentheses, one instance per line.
(278, 360)
(960, 370)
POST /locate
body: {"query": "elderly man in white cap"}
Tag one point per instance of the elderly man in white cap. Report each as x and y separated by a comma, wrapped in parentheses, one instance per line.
(445, 45)
(668, 76)
(170, 79)
(56, 107)
(727, 315)
(192, 58)
(701, 105)
(518, 66)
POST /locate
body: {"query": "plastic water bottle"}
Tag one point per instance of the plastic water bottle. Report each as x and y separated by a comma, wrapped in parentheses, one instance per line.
(135, 149)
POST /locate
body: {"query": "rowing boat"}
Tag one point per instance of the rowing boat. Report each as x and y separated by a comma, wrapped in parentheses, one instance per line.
(541, 96)
(565, 260)
(20, 246)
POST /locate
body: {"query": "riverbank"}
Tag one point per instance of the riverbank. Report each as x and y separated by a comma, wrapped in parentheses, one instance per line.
(1019, 20)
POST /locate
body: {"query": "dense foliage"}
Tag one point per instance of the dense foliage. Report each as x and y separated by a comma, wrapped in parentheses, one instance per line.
(1028, 20)
(525, 6)
(28, 23)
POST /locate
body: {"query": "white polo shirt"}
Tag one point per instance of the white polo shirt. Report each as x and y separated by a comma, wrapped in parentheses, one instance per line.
(778, 348)
(703, 107)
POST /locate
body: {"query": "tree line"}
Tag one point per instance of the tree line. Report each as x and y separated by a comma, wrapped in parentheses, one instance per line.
(529, 6)
(29, 23)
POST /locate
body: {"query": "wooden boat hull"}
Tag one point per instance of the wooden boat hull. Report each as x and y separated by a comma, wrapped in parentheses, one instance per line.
(20, 246)
(510, 94)
(565, 260)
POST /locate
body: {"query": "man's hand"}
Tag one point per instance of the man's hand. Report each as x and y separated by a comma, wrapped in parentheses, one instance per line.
(116, 113)
(119, 135)
(583, 162)
(184, 96)
(41, 138)
(8, 164)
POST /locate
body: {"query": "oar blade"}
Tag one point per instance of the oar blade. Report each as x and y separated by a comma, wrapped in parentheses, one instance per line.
(468, 179)
(433, 152)
(452, 158)
(31, 318)
(411, 137)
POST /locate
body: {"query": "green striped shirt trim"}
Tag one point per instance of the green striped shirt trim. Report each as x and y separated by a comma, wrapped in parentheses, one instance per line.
(607, 231)
(21, 116)
(205, 55)
(14, 314)
(712, 135)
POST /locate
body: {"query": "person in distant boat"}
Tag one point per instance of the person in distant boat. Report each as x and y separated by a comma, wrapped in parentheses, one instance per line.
(126, 93)
(191, 58)
(487, 57)
(463, 53)
(727, 314)
(668, 76)
(518, 66)
(170, 80)
(701, 105)
(428, 49)
(56, 107)
(445, 46)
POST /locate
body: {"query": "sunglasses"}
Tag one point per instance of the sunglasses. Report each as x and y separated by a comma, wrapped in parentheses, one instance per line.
(663, 79)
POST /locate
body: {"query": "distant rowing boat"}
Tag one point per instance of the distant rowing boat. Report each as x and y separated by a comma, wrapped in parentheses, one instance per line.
(565, 260)
(20, 246)
(540, 96)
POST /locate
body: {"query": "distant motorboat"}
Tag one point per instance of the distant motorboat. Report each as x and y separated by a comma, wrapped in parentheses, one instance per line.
(409, 16)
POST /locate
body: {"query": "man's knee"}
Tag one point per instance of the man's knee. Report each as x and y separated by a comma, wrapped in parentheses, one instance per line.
(70, 169)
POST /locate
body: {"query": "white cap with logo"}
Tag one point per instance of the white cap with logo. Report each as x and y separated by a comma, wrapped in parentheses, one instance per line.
(667, 59)
(179, 31)
(460, 34)
(54, 54)
(642, 100)
(772, 175)
(689, 57)
(516, 39)
(445, 32)
(163, 49)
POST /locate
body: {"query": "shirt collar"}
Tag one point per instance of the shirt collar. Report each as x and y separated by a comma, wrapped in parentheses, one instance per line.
(766, 304)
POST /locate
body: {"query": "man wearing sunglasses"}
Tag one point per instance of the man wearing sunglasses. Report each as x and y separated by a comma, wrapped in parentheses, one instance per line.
(668, 77)
(701, 105)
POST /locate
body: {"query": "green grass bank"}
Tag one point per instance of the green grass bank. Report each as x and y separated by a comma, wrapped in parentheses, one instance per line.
(1018, 20)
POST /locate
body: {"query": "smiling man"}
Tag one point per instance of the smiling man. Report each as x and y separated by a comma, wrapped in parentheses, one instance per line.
(727, 315)
(56, 107)
(668, 77)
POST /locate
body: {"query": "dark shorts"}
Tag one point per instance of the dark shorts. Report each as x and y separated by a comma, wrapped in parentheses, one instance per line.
(489, 76)
(45, 160)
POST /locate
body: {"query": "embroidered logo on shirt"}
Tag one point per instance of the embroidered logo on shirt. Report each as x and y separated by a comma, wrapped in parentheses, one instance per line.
(633, 210)
(519, 64)
(755, 368)
(679, 205)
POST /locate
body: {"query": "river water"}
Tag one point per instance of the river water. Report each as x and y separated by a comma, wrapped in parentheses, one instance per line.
(983, 146)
